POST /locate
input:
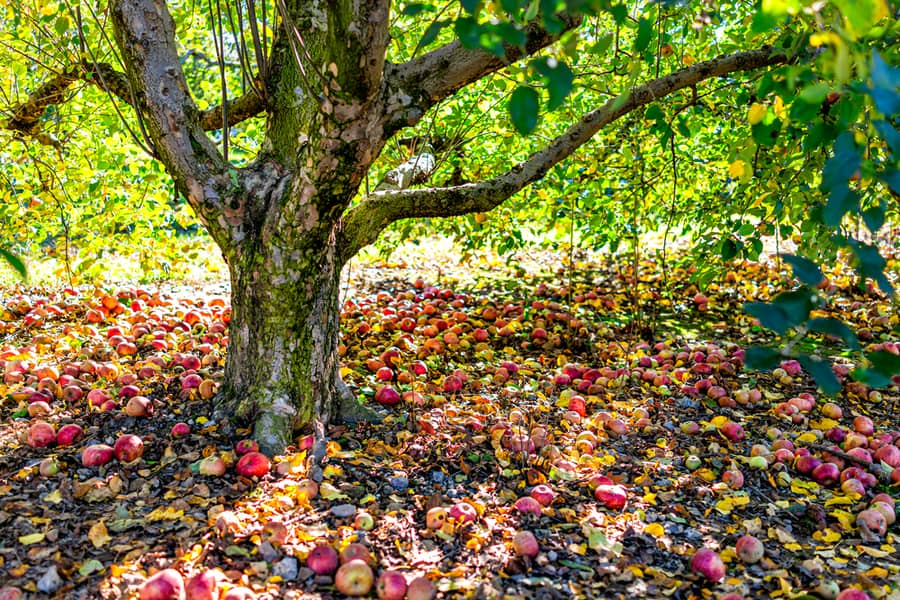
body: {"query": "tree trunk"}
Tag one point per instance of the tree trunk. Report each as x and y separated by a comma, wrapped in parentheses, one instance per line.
(282, 368)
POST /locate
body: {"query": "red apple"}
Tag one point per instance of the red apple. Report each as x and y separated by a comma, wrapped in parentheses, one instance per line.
(204, 585)
(387, 396)
(863, 425)
(887, 511)
(245, 447)
(733, 431)
(391, 585)
(212, 465)
(253, 464)
(356, 551)
(826, 474)
(525, 544)
(354, 578)
(128, 448)
(139, 406)
(543, 494)
(11, 593)
(463, 512)
(852, 594)
(69, 434)
(528, 505)
(168, 584)
(420, 588)
(613, 496)
(40, 434)
(749, 549)
(707, 563)
(322, 560)
(97, 455)
(873, 520)
(180, 430)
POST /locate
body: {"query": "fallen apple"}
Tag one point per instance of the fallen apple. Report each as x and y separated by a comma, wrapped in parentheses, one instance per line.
(463, 512)
(168, 584)
(204, 585)
(707, 563)
(322, 560)
(749, 549)
(420, 588)
(253, 464)
(128, 448)
(97, 455)
(354, 578)
(435, 517)
(391, 585)
(69, 434)
(40, 434)
(525, 544)
(356, 551)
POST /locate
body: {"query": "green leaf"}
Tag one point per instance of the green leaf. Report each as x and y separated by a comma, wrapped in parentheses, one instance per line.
(15, 262)
(761, 358)
(644, 35)
(882, 367)
(821, 372)
(431, 33)
(804, 269)
(834, 328)
(559, 80)
(61, 25)
(523, 109)
(787, 310)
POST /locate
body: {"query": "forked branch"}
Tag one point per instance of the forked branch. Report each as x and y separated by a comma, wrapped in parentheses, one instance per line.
(365, 221)
(428, 79)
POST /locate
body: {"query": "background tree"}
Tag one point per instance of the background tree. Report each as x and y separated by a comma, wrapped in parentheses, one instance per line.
(271, 119)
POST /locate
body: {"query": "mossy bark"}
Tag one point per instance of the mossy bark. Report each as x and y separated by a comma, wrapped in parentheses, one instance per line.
(282, 365)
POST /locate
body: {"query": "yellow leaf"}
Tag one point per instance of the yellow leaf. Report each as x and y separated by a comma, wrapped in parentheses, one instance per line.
(823, 38)
(98, 535)
(53, 497)
(823, 424)
(846, 519)
(877, 572)
(726, 505)
(165, 514)
(757, 113)
(737, 169)
(876, 553)
(828, 536)
(793, 547)
(32, 538)
(655, 529)
(650, 498)
(807, 438)
(842, 500)
(329, 492)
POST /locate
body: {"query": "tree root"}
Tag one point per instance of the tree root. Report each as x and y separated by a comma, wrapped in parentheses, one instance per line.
(351, 412)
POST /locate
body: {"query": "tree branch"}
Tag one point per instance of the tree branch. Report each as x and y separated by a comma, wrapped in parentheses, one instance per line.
(365, 221)
(145, 33)
(418, 84)
(26, 117)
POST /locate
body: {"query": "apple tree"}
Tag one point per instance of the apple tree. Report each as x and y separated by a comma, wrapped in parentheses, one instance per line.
(311, 127)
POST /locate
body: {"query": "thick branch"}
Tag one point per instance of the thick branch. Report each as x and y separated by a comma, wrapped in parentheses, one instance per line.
(364, 222)
(26, 117)
(438, 74)
(145, 34)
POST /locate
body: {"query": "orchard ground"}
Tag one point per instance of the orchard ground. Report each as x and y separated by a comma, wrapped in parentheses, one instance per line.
(608, 416)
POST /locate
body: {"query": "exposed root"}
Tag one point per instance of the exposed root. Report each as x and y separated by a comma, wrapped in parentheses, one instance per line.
(351, 412)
